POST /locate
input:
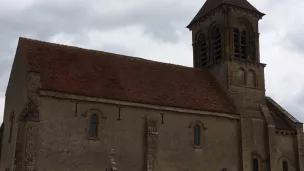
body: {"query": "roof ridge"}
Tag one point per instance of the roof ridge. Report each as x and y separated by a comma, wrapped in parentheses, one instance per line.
(100, 51)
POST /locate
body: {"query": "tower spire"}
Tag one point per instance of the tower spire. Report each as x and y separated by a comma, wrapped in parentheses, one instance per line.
(210, 5)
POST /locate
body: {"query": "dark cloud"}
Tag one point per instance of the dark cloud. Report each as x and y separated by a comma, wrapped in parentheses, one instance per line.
(43, 19)
(47, 18)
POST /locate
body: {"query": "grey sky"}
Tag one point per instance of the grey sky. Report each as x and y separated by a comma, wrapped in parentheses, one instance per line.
(154, 29)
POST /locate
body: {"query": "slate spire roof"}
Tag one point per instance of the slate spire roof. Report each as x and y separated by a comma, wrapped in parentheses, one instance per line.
(212, 4)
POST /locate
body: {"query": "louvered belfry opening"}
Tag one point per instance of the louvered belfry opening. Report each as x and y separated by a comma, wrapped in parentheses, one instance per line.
(217, 44)
(236, 43)
(203, 53)
(240, 44)
(244, 44)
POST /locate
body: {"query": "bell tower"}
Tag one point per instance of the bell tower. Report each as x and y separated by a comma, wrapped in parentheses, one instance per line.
(225, 39)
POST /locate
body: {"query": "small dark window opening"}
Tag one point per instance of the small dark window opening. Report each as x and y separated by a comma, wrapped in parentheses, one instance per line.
(244, 45)
(255, 164)
(236, 43)
(204, 61)
(119, 113)
(217, 44)
(12, 118)
(285, 166)
(197, 135)
(224, 169)
(94, 126)
(162, 118)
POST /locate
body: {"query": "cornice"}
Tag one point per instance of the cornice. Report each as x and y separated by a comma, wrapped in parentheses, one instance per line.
(247, 62)
(59, 95)
(286, 132)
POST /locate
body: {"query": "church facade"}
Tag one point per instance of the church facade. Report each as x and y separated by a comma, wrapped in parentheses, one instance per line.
(66, 107)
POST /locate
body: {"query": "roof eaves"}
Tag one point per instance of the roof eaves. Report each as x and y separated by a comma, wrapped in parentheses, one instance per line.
(199, 18)
(280, 108)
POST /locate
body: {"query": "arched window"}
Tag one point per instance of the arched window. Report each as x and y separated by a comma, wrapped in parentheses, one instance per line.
(240, 78)
(251, 78)
(236, 36)
(217, 43)
(241, 44)
(12, 118)
(94, 125)
(197, 135)
(285, 165)
(203, 56)
(255, 164)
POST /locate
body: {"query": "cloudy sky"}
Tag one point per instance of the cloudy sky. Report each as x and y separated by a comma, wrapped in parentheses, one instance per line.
(154, 29)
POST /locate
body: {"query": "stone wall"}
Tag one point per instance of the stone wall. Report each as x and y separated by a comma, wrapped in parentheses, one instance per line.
(65, 144)
(285, 150)
(16, 98)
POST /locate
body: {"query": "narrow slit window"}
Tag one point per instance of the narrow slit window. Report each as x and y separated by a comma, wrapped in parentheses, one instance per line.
(197, 135)
(94, 126)
(285, 165)
(255, 165)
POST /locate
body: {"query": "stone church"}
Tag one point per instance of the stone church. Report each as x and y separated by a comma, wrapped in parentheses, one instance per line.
(66, 107)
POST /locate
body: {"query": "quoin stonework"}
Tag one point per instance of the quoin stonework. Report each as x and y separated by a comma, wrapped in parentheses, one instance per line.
(66, 107)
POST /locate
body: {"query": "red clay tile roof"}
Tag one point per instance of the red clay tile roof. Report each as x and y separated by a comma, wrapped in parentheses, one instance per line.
(210, 5)
(100, 74)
